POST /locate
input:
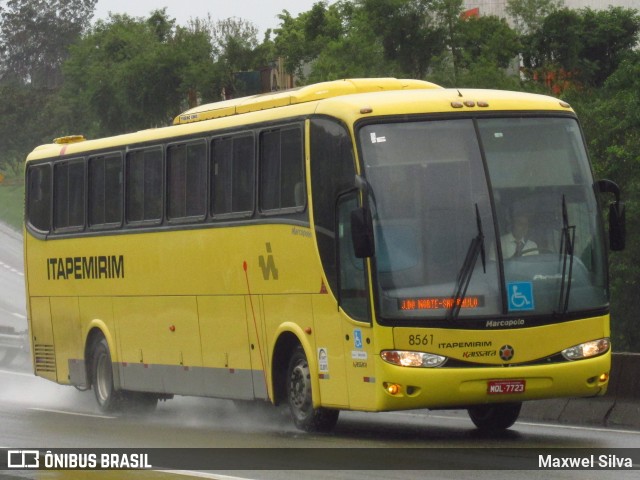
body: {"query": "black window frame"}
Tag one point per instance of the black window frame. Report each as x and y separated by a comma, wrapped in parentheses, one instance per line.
(187, 218)
(105, 225)
(45, 197)
(213, 172)
(58, 167)
(289, 209)
(128, 181)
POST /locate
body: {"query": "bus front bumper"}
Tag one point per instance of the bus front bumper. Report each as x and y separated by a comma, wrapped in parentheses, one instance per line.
(402, 388)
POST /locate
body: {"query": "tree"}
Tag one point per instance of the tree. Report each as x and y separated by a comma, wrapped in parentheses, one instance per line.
(487, 39)
(235, 49)
(611, 121)
(36, 35)
(128, 74)
(580, 47)
(528, 15)
(412, 32)
(608, 36)
(303, 39)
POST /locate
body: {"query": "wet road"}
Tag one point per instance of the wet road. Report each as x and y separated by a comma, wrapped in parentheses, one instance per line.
(35, 413)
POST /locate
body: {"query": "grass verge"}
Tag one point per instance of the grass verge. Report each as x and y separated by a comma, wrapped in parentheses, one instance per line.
(12, 202)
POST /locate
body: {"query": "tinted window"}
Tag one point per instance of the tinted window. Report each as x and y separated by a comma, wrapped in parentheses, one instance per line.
(39, 197)
(144, 185)
(232, 175)
(187, 180)
(68, 194)
(333, 172)
(105, 190)
(282, 169)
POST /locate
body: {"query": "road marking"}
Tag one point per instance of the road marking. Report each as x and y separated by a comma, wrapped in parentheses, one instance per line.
(11, 269)
(212, 476)
(530, 424)
(77, 414)
(11, 372)
(577, 427)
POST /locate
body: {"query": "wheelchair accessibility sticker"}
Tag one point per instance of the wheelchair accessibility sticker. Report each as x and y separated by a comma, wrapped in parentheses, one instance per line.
(520, 296)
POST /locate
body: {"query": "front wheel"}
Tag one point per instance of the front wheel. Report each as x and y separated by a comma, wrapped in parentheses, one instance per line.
(299, 397)
(494, 417)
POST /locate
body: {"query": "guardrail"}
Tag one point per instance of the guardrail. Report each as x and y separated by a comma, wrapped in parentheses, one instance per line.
(12, 344)
(619, 407)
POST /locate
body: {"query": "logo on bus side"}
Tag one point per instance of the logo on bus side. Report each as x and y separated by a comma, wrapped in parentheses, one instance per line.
(268, 266)
(86, 268)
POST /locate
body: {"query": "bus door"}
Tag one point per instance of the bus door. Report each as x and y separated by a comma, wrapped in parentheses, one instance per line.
(354, 302)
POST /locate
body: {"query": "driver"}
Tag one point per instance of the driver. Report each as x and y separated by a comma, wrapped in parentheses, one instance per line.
(516, 243)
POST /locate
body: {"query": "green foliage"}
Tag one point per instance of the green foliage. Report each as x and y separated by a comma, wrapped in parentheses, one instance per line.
(487, 40)
(313, 35)
(409, 31)
(582, 46)
(35, 36)
(128, 74)
(612, 126)
(12, 202)
(528, 15)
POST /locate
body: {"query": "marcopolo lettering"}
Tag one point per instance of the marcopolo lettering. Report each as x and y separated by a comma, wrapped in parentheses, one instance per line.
(85, 268)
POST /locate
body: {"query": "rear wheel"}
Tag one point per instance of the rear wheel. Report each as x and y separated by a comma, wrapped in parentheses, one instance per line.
(109, 399)
(299, 397)
(495, 417)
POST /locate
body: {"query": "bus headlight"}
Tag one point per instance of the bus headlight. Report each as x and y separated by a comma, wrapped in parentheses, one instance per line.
(587, 349)
(412, 359)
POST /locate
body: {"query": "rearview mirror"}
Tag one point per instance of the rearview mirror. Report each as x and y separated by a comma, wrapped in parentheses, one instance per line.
(617, 229)
(617, 220)
(362, 233)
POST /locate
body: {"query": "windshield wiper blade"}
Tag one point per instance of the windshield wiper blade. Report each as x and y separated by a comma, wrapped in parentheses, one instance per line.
(464, 275)
(567, 243)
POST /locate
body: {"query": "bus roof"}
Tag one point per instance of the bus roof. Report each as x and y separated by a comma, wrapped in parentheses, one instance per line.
(347, 99)
(310, 93)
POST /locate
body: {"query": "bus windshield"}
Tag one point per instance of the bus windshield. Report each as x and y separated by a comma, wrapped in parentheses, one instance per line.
(483, 217)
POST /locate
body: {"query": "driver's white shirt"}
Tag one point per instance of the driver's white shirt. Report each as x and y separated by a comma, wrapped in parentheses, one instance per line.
(509, 243)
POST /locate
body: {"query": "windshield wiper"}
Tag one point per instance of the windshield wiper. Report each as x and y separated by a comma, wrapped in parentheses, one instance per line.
(464, 275)
(567, 243)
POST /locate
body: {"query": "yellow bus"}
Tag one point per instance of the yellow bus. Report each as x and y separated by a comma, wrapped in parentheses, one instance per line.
(340, 246)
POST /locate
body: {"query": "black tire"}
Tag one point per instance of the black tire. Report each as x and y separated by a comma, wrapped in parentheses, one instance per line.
(299, 397)
(494, 417)
(109, 399)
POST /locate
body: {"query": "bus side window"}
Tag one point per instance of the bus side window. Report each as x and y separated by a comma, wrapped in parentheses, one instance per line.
(144, 185)
(39, 197)
(105, 190)
(68, 195)
(232, 175)
(282, 169)
(187, 180)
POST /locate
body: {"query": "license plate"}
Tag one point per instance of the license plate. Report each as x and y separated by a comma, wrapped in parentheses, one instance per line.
(503, 387)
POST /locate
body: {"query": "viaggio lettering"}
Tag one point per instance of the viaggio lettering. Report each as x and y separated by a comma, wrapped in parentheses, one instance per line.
(85, 268)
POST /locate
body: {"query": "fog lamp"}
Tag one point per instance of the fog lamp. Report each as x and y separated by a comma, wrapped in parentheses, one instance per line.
(392, 388)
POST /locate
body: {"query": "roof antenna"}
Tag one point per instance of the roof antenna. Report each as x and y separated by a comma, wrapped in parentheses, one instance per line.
(459, 94)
